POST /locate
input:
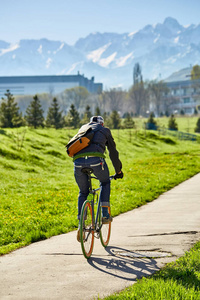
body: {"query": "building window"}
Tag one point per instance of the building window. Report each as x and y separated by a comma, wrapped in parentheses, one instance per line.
(186, 100)
(188, 110)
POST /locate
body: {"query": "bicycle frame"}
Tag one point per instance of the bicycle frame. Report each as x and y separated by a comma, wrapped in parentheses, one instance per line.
(94, 192)
(90, 221)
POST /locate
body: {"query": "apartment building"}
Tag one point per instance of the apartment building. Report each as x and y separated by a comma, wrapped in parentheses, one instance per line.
(184, 93)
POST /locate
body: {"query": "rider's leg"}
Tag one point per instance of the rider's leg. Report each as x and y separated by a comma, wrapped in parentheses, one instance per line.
(102, 173)
(105, 198)
(83, 184)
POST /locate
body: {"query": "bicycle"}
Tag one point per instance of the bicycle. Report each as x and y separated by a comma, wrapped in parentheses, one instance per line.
(90, 222)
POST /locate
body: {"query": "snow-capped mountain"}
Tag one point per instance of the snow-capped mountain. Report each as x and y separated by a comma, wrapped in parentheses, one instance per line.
(160, 49)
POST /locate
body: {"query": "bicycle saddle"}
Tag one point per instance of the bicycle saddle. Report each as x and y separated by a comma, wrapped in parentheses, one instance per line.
(87, 170)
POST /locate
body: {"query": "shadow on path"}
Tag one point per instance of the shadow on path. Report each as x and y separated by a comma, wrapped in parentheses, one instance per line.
(123, 267)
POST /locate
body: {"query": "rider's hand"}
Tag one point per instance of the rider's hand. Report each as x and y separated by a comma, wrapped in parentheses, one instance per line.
(119, 175)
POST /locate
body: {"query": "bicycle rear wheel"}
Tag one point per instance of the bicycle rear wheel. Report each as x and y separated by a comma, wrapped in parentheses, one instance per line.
(87, 229)
(105, 232)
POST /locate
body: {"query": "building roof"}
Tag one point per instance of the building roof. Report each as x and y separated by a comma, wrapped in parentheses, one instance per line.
(45, 78)
(8, 82)
(181, 75)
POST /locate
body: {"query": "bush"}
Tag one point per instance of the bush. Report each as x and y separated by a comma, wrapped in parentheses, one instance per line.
(34, 113)
(114, 121)
(9, 112)
(197, 128)
(54, 115)
(128, 122)
(151, 123)
(172, 125)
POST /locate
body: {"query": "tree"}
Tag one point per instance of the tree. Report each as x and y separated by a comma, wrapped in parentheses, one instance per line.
(151, 118)
(54, 116)
(34, 113)
(73, 119)
(128, 122)
(151, 122)
(172, 125)
(76, 95)
(102, 100)
(197, 128)
(9, 112)
(87, 115)
(97, 111)
(195, 72)
(195, 78)
(113, 99)
(114, 120)
(157, 90)
(195, 111)
(105, 116)
(138, 96)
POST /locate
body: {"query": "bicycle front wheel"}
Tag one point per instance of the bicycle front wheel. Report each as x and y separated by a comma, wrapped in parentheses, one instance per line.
(87, 229)
(105, 232)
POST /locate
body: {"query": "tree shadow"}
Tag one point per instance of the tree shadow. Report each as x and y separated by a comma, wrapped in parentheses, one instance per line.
(123, 267)
(2, 131)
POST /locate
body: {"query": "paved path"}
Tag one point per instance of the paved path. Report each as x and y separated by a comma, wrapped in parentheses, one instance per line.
(56, 269)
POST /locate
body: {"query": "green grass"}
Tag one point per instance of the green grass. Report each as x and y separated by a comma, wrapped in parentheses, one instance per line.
(185, 123)
(38, 193)
(177, 280)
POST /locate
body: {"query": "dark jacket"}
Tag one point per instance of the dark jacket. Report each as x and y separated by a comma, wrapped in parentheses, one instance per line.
(102, 139)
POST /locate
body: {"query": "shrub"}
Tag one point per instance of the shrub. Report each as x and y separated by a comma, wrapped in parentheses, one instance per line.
(34, 113)
(151, 123)
(172, 125)
(197, 128)
(128, 122)
(114, 121)
(9, 112)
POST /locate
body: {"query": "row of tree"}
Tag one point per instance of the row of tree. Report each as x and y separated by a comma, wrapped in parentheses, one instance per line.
(10, 116)
(172, 124)
(152, 124)
(138, 100)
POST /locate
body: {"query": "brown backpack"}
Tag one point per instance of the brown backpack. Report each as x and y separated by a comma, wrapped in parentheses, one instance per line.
(80, 141)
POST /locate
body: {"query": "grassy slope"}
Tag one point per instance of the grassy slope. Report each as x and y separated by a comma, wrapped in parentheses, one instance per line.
(38, 193)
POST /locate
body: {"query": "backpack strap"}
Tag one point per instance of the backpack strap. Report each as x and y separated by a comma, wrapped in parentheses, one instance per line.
(88, 154)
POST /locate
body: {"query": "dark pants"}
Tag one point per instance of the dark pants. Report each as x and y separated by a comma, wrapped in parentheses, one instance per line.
(100, 170)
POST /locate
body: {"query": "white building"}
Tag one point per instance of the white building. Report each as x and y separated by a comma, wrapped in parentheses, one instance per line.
(184, 91)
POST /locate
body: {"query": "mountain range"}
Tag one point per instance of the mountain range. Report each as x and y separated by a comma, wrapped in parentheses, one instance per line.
(160, 50)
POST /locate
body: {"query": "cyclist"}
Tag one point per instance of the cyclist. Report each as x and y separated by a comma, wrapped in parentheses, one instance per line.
(93, 157)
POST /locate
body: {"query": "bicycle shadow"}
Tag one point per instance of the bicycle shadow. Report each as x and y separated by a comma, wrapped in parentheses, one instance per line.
(126, 268)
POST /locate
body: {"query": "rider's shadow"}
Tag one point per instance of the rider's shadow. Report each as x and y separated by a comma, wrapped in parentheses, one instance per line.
(126, 268)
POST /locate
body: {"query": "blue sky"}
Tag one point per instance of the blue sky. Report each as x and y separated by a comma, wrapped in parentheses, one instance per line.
(69, 20)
